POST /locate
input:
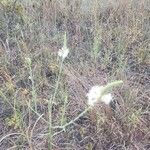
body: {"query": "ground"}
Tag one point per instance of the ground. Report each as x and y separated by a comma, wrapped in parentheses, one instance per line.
(39, 94)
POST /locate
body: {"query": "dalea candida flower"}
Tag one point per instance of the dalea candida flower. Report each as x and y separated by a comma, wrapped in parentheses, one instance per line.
(107, 98)
(96, 94)
(63, 52)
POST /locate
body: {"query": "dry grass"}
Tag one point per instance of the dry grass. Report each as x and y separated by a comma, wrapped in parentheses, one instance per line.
(106, 43)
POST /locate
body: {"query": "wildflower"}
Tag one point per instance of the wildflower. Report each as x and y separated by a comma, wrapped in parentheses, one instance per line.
(107, 98)
(63, 52)
(95, 94)
(28, 60)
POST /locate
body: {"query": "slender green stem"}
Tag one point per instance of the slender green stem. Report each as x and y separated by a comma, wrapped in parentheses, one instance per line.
(50, 125)
(5, 98)
(34, 95)
(80, 115)
(52, 99)
(64, 110)
(58, 80)
(72, 121)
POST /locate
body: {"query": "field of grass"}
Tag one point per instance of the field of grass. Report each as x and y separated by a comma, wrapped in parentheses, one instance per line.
(43, 97)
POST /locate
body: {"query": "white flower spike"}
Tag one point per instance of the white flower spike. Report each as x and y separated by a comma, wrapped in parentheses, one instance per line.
(95, 95)
(63, 53)
(107, 98)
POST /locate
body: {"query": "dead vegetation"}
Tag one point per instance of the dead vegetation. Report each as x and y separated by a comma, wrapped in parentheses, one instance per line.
(106, 43)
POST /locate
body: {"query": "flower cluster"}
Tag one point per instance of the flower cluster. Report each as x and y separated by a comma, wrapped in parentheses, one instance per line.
(63, 52)
(95, 95)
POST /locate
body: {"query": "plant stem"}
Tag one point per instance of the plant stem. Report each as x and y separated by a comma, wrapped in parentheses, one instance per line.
(64, 110)
(58, 80)
(50, 124)
(34, 96)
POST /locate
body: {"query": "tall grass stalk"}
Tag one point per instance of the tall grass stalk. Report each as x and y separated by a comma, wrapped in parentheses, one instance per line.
(52, 99)
(96, 45)
(57, 82)
(50, 103)
(63, 118)
(97, 33)
(61, 67)
(50, 124)
(31, 77)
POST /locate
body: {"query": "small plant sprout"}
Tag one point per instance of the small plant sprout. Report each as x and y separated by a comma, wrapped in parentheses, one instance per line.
(101, 93)
(64, 51)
